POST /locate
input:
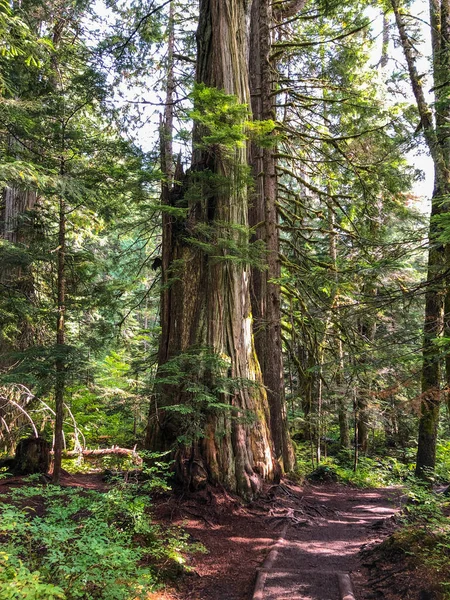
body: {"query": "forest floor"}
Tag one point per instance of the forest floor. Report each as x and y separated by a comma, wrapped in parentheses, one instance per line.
(331, 529)
(328, 525)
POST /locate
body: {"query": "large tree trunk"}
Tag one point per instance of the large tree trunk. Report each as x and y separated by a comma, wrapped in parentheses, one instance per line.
(15, 203)
(207, 302)
(265, 292)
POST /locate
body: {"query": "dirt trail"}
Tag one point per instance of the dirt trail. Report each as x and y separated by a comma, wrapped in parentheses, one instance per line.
(313, 553)
(328, 524)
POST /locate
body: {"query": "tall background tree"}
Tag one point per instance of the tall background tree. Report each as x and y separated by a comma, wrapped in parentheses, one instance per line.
(434, 124)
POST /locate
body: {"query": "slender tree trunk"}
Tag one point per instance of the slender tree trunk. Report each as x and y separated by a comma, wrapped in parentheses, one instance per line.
(385, 46)
(266, 296)
(447, 335)
(367, 331)
(170, 186)
(208, 300)
(344, 432)
(167, 167)
(60, 341)
(431, 367)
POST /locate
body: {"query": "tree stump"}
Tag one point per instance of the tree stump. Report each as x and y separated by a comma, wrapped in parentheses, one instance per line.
(32, 456)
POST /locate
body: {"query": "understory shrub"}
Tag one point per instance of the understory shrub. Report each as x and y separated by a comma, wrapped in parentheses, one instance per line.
(371, 471)
(71, 543)
(422, 542)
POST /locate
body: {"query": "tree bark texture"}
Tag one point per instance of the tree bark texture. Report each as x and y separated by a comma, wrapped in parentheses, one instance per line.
(206, 297)
(166, 148)
(367, 331)
(342, 408)
(15, 203)
(32, 456)
(265, 291)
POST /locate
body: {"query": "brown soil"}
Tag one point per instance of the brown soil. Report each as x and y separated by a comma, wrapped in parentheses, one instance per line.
(394, 569)
(328, 526)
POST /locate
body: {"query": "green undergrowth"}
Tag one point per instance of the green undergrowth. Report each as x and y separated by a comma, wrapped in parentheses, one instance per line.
(378, 471)
(421, 544)
(73, 543)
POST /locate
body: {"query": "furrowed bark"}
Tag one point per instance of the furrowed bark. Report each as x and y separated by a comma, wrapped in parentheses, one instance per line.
(15, 203)
(209, 297)
(60, 341)
(342, 408)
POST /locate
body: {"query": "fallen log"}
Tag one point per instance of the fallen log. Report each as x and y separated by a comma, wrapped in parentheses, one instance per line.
(99, 452)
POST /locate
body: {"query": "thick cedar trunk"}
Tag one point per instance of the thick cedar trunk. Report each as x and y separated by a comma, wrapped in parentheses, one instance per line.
(437, 139)
(265, 292)
(286, 9)
(15, 203)
(207, 304)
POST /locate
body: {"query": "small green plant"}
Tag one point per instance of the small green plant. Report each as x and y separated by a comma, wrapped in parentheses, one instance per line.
(371, 472)
(16, 581)
(443, 460)
(423, 540)
(155, 471)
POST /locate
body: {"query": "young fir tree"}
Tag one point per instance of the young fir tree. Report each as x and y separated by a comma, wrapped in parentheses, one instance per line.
(75, 159)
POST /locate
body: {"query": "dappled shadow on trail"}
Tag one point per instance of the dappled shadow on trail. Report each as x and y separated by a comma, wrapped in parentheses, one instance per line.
(310, 558)
(328, 525)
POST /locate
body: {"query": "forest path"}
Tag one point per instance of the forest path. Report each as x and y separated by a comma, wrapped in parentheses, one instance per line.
(313, 553)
